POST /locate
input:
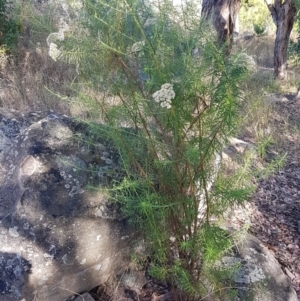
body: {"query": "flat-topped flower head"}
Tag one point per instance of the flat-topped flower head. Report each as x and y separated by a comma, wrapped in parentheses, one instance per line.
(164, 95)
(54, 52)
(165, 104)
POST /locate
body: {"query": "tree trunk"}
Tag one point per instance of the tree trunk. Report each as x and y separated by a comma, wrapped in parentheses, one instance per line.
(223, 14)
(283, 15)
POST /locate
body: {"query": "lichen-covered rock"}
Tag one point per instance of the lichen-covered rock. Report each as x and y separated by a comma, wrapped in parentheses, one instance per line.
(259, 276)
(56, 235)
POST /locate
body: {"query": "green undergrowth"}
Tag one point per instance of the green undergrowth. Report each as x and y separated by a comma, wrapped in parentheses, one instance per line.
(255, 16)
(10, 26)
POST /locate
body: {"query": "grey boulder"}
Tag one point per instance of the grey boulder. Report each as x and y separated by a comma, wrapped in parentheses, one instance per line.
(57, 236)
(258, 276)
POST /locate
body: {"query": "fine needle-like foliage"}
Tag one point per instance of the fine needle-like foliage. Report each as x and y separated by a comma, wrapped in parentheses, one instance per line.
(10, 26)
(175, 105)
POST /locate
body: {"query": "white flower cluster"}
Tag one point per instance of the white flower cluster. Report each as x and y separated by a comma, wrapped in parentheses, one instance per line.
(164, 95)
(54, 52)
(60, 35)
(138, 46)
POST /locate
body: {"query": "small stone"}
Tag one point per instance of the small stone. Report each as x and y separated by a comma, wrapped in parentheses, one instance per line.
(13, 232)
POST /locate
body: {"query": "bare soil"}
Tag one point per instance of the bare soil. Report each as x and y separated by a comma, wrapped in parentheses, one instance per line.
(276, 202)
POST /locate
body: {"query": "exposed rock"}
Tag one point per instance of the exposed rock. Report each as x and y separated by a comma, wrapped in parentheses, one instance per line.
(273, 98)
(56, 236)
(259, 276)
(133, 280)
(13, 275)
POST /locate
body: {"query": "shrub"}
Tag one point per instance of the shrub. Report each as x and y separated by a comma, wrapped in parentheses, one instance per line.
(10, 25)
(259, 29)
(175, 104)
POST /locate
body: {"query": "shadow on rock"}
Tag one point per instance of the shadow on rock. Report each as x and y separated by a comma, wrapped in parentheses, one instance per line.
(73, 237)
(14, 274)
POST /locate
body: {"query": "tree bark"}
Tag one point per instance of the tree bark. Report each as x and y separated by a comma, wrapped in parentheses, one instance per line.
(223, 14)
(283, 15)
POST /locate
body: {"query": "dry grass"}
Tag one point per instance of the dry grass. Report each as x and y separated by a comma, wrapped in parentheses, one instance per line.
(29, 78)
(261, 48)
(265, 117)
(27, 82)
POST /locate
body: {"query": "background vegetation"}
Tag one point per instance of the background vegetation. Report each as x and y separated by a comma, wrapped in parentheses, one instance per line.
(10, 26)
(295, 44)
(254, 16)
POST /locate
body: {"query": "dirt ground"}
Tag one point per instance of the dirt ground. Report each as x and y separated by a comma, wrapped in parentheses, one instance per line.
(276, 202)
